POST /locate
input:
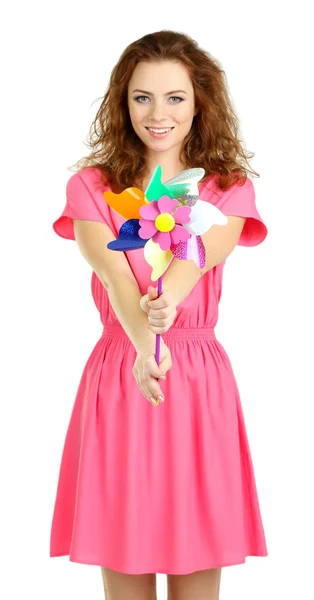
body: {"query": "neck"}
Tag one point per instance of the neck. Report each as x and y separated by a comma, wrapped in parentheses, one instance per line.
(169, 169)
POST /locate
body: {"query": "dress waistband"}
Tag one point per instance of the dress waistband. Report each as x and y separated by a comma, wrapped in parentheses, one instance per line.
(116, 330)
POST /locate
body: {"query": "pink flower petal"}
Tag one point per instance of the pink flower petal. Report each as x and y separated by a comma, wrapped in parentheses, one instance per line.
(147, 229)
(179, 234)
(166, 204)
(182, 214)
(150, 211)
(163, 239)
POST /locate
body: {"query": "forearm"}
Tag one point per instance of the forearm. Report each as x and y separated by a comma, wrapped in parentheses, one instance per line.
(180, 278)
(124, 296)
(182, 275)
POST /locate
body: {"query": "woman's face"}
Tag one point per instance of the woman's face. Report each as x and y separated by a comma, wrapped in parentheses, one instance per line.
(161, 95)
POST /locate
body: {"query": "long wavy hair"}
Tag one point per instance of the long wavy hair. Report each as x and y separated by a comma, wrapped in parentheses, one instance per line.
(213, 142)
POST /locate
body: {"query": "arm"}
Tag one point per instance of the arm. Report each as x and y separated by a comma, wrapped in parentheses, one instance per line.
(245, 226)
(114, 272)
(182, 275)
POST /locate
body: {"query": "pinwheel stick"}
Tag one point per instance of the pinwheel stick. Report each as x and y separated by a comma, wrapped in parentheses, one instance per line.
(157, 352)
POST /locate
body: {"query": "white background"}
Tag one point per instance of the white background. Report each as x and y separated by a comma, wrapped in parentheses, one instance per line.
(55, 63)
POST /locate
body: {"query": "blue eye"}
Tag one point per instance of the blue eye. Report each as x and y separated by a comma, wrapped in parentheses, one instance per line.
(178, 98)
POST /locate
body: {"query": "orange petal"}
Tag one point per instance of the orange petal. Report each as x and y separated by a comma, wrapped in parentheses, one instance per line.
(128, 203)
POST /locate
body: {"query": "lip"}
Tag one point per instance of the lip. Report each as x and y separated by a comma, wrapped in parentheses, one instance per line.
(165, 127)
(159, 135)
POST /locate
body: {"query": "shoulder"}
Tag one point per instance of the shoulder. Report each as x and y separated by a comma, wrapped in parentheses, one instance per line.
(86, 182)
(211, 192)
(90, 176)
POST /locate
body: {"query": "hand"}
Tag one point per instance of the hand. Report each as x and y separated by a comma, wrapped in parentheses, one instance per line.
(161, 311)
(147, 372)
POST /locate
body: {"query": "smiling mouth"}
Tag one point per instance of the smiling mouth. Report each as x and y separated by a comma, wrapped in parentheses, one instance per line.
(159, 129)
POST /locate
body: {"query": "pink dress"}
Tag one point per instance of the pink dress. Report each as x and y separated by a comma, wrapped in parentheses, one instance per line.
(166, 489)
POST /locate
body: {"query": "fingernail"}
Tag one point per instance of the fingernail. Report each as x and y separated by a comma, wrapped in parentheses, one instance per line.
(153, 401)
(161, 398)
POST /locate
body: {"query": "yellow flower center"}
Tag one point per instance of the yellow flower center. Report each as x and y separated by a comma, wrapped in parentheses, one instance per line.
(165, 222)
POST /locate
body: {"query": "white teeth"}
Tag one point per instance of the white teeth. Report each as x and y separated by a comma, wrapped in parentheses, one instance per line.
(159, 130)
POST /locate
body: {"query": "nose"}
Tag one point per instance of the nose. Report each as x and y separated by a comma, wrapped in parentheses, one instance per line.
(158, 112)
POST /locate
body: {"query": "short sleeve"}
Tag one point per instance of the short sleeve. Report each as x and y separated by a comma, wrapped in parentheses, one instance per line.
(239, 201)
(82, 202)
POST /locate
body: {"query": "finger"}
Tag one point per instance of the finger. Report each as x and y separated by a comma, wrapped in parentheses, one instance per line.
(158, 330)
(149, 394)
(152, 292)
(158, 315)
(166, 367)
(151, 369)
(144, 387)
(160, 302)
(158, 322)
(155, 389)
(152, 374)
(149, 383)
(152, 391)
(144, 303)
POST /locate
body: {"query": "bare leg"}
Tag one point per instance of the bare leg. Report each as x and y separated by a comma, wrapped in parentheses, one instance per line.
(122, 586)
(200, 585)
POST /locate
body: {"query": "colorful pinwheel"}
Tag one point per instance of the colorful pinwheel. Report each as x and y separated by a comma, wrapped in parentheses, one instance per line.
(167, 221)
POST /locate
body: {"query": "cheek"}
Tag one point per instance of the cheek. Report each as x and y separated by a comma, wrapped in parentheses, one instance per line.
(137, 114)
(185, 114)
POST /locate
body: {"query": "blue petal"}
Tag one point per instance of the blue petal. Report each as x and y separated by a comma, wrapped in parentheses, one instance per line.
(128, 238)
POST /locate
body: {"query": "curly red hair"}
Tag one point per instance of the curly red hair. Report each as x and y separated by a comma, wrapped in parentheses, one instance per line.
(213, 142)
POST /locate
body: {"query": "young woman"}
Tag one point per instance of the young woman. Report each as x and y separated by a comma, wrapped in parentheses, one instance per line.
(168, 488)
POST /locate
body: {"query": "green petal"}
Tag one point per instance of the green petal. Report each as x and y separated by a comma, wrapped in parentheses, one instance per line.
(156, 188)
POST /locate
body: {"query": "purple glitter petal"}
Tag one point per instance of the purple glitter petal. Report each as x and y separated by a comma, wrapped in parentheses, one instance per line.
(180, 250)
(193, 249)
(201, 251)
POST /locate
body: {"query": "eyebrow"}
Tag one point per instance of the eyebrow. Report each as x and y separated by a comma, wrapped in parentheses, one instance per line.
(168, 93)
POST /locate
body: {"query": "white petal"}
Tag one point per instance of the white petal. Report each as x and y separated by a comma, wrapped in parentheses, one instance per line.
(203, 215)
